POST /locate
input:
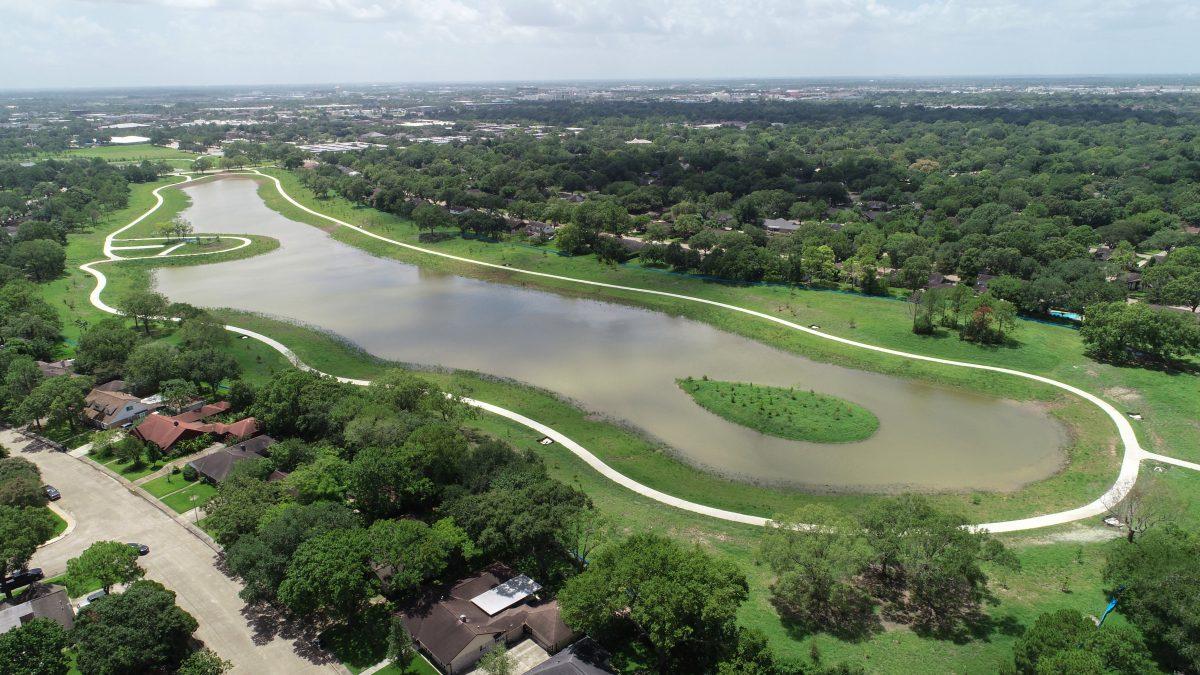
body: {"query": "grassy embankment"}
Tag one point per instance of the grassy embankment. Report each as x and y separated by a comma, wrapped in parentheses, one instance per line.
(783, 412)
(1021, 596)
(69, 294)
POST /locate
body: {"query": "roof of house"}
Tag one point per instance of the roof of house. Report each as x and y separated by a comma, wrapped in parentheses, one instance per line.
(56, 368)
(782, 224)
(165, 431)
(51, 603)
(445, 627)
(207, 410)
(111, 385)
(217, 465)
(103, 405)
(585, 657)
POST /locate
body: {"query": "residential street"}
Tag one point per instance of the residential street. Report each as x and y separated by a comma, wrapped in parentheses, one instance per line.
(103, 508)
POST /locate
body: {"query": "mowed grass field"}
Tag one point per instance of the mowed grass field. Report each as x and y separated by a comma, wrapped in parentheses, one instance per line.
(133, 152)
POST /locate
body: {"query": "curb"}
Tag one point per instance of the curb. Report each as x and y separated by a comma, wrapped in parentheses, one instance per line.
(62, 513)
(134, 489)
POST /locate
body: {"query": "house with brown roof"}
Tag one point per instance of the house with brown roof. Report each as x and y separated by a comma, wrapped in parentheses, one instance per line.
(215, 467)
(108, 408)
(496, 606)
(57, 368)
(165, 431)
(203, 412)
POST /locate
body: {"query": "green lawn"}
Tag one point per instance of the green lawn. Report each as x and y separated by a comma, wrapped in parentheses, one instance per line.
(165, 485)
(133, 471)
(417, 666)
(76, 588)
(783, 412)
(182, 501)
(60, 525)
(135, 152)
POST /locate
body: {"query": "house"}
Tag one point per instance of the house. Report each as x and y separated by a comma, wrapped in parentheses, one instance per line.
(981, 282)
(585, 657)
(938, 280)
(1133, 280)
(108, 407)
(215, 467)
(1101, 253)
(496, 606)
(57, 368)
(203, 412)
(50, 603)
(780, 225)
(536, 229)
(165, 431)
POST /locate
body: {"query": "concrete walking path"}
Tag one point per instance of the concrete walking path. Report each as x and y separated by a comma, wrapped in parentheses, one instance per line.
(1127, 476)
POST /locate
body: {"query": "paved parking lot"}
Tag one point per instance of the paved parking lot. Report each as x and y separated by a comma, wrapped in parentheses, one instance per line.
(104, 508)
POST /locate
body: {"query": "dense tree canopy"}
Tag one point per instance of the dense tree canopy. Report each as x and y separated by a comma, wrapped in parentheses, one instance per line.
(139, 630)
(680, 600)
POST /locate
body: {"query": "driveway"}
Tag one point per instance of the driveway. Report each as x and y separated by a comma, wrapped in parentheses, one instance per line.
(103, 508)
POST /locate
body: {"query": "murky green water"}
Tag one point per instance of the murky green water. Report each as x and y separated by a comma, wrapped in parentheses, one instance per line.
(616, 360)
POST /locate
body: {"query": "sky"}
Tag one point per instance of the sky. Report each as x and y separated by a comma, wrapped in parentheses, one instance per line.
(123, 43)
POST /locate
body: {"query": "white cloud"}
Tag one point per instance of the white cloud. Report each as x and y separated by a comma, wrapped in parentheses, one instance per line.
(310, 40)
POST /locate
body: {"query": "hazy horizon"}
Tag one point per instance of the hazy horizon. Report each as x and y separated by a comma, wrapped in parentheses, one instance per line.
(56, 44)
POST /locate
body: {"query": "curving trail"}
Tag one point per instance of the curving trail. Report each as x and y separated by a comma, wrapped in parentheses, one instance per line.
(1130, 463)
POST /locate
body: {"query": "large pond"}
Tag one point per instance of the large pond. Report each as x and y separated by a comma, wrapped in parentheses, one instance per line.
(616, 360)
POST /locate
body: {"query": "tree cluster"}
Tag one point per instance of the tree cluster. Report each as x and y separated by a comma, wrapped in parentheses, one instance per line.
(384, 493)
(835, 573)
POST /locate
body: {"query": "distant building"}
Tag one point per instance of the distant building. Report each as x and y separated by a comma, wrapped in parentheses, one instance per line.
(496, 606)
(57, 368)
(780, 225)
(938, 280)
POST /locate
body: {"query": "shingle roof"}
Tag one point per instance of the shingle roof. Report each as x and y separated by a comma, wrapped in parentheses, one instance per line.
(446, 626)
(165, 431)
(102, 405)
(51, 605)
(217, 465)
(585, 657)
(207, 410)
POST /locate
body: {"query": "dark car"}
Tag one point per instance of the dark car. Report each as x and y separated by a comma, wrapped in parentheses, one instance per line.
(23, 578)
(92, 597)
(52, 493)
(142, 549)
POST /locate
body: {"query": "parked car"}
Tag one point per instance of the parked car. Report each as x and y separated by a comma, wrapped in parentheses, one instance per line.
(52, 493)
(22, 578)
(142, 549)
(91, 597)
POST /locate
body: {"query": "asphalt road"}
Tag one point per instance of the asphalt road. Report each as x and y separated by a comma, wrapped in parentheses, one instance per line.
(104, 508)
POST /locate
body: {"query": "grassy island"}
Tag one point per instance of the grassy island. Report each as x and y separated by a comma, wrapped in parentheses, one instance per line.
(784, 412)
